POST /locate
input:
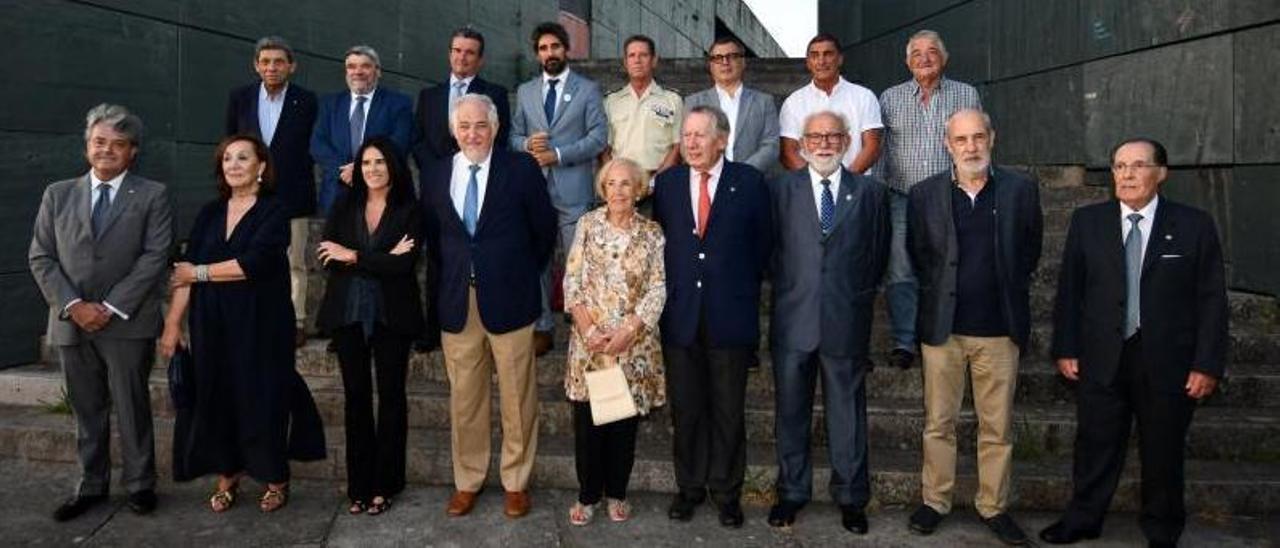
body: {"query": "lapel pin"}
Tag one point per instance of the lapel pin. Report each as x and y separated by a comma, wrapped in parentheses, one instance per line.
(733, 189)
(567, 97)
(848, 197)
(1168, 236)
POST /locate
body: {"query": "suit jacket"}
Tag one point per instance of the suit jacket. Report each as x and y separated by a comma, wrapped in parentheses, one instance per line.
(1183, 310)
(513, 242)
(433, 141)
(290, 145)
(580, 131)
(125, 265)
(390, 115)
(715, 279)
(394, 273)
(824, 285)
(756, 142)
(934, 252)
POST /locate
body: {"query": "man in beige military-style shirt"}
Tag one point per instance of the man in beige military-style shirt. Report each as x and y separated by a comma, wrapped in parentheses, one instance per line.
(644, 119)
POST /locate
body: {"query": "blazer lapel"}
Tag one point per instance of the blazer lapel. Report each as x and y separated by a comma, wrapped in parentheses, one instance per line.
(746, 102)
(846, 199)
(123, 198)
(82, 201)
(1111, 233)
(1162, 228)
(802, 187)
(494, 185)
(726, 192)
(251, 99)
(564, 97)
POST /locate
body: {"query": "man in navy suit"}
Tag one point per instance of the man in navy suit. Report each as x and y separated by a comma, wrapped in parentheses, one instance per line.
(1140, 325)
(282, 114)
(348, 118)
(832, 248)
(490, 230)
(717, 221)
(435, 141)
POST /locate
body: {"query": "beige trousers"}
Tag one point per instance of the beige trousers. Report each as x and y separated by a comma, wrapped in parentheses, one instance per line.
(992, 363)
(470, 358)
(299, 231)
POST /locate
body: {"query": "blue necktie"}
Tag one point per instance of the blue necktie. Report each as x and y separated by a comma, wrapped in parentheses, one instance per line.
(100, 207)
(549, 104)
(828, 214)
(471, 204)
(459, 89)
(357, 126)
(1133, 275)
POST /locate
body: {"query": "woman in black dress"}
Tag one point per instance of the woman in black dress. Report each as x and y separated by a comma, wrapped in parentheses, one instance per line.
(372, 307)
(252, 411)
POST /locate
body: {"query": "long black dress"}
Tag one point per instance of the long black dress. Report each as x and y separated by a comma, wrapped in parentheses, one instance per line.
(253, 412)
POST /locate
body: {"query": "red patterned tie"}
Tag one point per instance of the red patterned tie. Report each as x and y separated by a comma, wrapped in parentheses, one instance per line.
(704, 203)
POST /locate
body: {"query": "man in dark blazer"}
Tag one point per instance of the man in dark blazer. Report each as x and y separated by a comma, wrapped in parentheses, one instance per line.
(973, 234)
(349, 117)
(753, 115)
(490, 230)
(100, 254)
(832, 248)
(1140, 325)
(282, 114)
(717, 221)
(434, 141)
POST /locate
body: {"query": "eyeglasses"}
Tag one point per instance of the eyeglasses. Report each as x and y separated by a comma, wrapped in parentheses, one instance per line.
(1136, 166)
(725, 57)
(818, 138)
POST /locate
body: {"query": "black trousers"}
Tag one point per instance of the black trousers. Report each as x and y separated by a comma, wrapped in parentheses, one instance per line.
(1104, 416)
(431, 329)
(375, 450)
(706, 389)
(603, 455)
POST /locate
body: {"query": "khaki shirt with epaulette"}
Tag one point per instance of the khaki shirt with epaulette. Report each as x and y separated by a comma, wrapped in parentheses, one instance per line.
(643, 128)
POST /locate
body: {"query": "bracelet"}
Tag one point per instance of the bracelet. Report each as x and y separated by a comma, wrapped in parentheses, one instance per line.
(202, 273)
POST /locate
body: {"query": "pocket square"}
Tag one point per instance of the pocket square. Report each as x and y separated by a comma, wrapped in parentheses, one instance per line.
(1171, 256)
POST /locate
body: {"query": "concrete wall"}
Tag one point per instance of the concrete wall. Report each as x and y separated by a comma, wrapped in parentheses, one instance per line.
(680, 28)
(1065, 79)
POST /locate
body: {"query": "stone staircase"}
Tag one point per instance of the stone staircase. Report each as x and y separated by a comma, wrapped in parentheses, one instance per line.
(1233, 449)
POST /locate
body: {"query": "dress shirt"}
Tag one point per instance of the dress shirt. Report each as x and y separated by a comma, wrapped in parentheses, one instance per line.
(729, 104)
(453, 81)
(269, 109)
(114, 185)
(858, 105)
(461, 177)
(815, 180)
(915, 133)
(643, 127)
(695, 182)
(1148, 213)
(560, 81)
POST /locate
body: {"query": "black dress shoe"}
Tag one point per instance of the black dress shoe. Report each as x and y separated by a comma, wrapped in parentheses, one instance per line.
(731, 514)
(682, 508)
(1059, 534)
(74, 506)
(424, 345)
(783, 514)
(853, 519)
(924, 520)
(142, 502)
(1006, 530)
(901, 359)
(331, 347)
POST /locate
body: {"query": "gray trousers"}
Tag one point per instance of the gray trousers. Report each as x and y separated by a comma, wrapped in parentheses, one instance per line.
(99, 372)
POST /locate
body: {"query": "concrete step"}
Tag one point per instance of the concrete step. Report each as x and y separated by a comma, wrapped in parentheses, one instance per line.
(1212, 487)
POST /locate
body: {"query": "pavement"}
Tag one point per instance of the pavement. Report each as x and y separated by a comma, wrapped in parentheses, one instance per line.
(316, 516)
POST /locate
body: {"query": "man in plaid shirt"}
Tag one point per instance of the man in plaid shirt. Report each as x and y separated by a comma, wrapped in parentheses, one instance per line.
(914, 114)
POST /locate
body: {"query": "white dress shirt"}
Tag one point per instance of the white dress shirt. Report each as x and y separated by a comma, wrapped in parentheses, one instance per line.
(695, 184)
(815, 180)
(269, 109)
(461, 177)
(1148, 213)
(729, 104)
(368, 101)
(859, 106)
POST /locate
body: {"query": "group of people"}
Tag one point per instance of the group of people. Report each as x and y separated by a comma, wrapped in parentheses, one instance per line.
(898, 192)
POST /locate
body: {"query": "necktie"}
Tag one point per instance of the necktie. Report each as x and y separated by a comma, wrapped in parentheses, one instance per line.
(704, 203)
(828, 213)
(357, 125)
(459, 89)
(471, 204)
(1133, 275)
(549, 104)
(100, 207)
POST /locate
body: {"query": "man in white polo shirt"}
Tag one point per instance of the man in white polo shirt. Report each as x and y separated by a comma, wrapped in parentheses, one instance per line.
(830, 91)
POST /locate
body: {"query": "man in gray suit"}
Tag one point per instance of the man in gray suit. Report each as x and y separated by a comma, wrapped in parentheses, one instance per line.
(99, 253)
(753, 116)
(832, 247)
(560, 120)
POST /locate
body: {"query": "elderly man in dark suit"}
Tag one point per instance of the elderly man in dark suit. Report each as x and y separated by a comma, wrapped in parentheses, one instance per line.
(973, 234)
(282, 114)
(832, 248)
(490, 230)
(718, 226)
(1140, 326)
(100, 253)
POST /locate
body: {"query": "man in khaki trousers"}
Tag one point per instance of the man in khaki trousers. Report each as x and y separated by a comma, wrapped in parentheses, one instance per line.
(973, 234)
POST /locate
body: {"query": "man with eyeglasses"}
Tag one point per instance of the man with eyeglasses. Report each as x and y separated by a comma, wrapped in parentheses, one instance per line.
(914, 115)
(832, 242)
(753, 115)
(830, 91)
(1140, 327)
(974, 234)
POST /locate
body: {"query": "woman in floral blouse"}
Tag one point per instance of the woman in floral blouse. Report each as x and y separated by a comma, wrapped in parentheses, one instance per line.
(614, 286)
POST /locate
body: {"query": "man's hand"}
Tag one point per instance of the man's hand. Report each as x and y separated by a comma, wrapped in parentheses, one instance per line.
(538, 142)
(546, 158)
(344, 173)
(1070, 368)
(1200, 385)
(89, 316)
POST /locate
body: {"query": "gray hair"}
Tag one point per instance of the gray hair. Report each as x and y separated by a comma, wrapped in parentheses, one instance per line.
(366, 51)
(116, 117)
(272, 42)
(722, 120)
(844, 122)
(986, 119)
(490, 108)
(930, 35)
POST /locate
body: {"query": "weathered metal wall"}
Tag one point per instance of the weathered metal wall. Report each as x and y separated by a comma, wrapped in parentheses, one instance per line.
(1065, 79)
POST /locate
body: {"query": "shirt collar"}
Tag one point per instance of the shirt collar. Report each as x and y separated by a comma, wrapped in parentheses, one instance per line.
(368, 95)
(724, 94)
(1148, 211)
(816, 178)
(991, 174)
(915, 86)
(648, 90)
(460, 158)
(840, 84)
(114, 183)
(714, 171)
(562, 77)
(264, 95)
(453, 80)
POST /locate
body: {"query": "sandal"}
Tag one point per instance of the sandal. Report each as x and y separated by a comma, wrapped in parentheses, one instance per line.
(580, 514)
(379, 505)
(619, 509)
(357, 507)
(222, 498)
(274, 498)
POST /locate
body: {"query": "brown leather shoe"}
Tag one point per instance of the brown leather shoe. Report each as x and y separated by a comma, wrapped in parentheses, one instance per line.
(517, 504)
(460, 504)
(542, 343)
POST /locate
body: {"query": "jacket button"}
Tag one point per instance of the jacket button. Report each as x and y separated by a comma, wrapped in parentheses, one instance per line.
(702, 256)
(698, 283)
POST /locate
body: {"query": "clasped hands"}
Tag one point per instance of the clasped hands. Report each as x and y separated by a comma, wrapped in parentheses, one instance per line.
(89, 316)
(611, 341)
(539, 145)
(333, 251)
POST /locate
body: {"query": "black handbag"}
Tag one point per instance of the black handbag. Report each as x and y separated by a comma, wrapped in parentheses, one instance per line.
(182, 379)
